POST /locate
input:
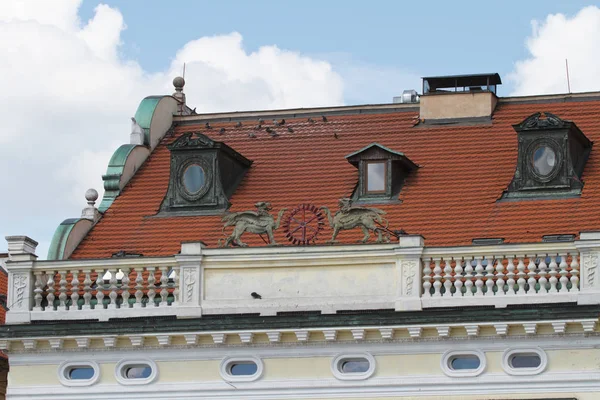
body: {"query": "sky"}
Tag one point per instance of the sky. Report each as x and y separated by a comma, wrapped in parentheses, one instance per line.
(73, 72)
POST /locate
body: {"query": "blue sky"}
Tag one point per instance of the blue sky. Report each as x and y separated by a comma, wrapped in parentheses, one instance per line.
(420, 37)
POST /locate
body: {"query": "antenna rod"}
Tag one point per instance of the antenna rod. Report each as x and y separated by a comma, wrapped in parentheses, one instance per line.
(568, 81)
(183, 70)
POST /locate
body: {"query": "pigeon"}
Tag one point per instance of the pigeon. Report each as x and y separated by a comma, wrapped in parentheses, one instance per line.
(312, 121)
(261, 121)
(252, 135)
(335, 135)
(255, 295)
(222, 131)
(269, 130)
(290, 130)
(275, 122)
(207, 125)
(324, 118)
(238, 124)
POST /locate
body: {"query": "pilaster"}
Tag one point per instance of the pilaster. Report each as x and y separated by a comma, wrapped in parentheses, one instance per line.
(190, 276)
(589, 256)
(408, 272)
(21, 256)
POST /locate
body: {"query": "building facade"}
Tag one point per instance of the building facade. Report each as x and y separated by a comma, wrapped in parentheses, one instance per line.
(442, 247)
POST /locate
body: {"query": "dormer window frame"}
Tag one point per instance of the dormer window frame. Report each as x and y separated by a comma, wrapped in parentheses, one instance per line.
(386, 184)
(567, 152)
(396, 168)
(221, 169)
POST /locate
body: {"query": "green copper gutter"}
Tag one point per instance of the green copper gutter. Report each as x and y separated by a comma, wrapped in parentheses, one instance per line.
(144, 114)
(59, 239)
(112, 178)
(170, 324)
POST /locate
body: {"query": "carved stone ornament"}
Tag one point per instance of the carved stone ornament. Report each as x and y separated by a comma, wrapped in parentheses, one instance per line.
(260, 222)
(350, 217)
(409, 271)
(20, 283)
(535, 122)
(590, 265)
(188, 140)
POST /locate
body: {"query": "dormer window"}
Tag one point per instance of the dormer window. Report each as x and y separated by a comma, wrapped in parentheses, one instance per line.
(375, 178)
(381, 173)
(552, 155)
(204, 175)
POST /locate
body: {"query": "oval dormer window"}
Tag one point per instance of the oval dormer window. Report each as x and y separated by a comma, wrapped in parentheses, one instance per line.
(194, 178)
(544, 160)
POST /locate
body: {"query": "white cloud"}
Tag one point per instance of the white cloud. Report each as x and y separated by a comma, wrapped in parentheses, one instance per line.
(557, 38)
(68, 95)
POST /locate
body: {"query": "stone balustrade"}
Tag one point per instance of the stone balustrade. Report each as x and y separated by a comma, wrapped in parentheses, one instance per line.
(404, 276)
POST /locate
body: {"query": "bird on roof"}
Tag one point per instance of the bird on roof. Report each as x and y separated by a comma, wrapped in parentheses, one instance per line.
(255, 295)
(238, 124)
(258, 127)
(335, 135)
(324, 118)
(251, 134)
(269, 130)
(207, 125)
(312, 121)
(222, 131)
(275, 122)
(290, 129)
(261, 121)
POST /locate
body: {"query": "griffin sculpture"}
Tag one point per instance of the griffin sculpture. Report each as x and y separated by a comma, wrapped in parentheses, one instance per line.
(259, 221)
(365, 218)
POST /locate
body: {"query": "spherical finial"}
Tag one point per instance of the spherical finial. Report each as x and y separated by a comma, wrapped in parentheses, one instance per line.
(178, 82)
(91, 195)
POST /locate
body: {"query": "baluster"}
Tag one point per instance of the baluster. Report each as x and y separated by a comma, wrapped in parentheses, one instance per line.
(468, 277)
(510, 282)
(427, 278)
(151, 287)
(87, 290)
(175, 287)
(489, 276)
(500, 275)
(574, 273)
(564, 279)
(479, 277)
(139, 287)
(100, 290)
(437, 278)
(62, 287)
(553, 272)
(125, 289)
(543, 281)
(458, 276)
(531, 272)
(39, 284)
(164, 282)
(50, 297)
(521, 274)
(113, 290)
(74, 290)
(448, 277)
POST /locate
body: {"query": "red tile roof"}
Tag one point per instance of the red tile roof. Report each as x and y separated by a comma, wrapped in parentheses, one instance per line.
(450, 200)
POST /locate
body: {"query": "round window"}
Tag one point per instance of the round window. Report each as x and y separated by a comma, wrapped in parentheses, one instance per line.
(194, 178)
(544, 160)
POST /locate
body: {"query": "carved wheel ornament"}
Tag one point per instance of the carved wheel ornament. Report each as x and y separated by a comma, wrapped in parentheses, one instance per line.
(304, 224)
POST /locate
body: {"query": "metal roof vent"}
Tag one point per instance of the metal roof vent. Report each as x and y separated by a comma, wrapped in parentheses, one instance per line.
(408, 97)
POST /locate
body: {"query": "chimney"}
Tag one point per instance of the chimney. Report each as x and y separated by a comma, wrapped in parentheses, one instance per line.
(459, 96)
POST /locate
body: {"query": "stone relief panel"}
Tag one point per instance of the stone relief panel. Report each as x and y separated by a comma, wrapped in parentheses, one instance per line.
(590, 265)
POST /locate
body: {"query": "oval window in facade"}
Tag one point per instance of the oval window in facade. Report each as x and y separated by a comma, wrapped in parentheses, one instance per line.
(194, 178)
(241, 369)
(76, 373)
(353, 366)
(457, 363)
(529, 361)
(135, 372)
